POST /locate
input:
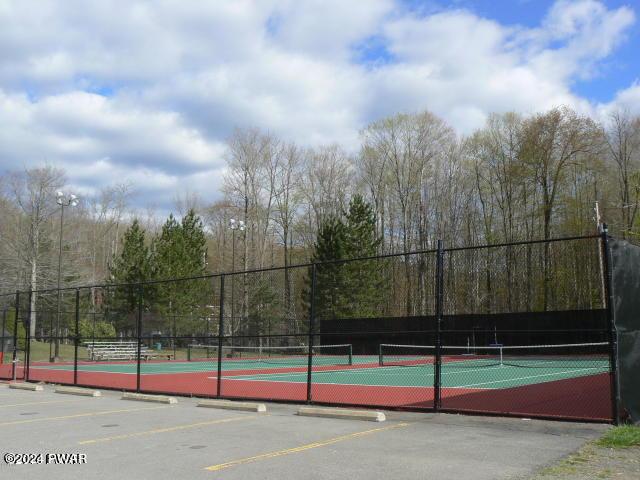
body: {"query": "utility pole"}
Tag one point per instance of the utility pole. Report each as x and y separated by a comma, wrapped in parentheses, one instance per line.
(64, 201)
(234, 225)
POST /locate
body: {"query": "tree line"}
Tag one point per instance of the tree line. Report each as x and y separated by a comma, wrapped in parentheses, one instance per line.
(520, 177)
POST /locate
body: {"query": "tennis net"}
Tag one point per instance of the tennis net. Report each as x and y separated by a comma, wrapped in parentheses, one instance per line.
(570, 355)
(285, 355)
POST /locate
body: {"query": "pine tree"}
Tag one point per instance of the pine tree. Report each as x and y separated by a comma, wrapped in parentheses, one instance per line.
(179, 252)
(180, 249)
(194, 245)
(130, 267)
(330, 245)
(361, 239)
(362, 278)
(167, 251)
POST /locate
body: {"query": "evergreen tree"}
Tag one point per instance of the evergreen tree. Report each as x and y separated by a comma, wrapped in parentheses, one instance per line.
(349, 289)
(130, 267)
(133, 263)
(361, 239)
(194, 244)
(167, 251)
(330, 245)
(179, 252)
(362, 278)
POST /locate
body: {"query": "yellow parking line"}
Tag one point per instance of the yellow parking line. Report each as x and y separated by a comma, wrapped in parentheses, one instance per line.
(164, 430)
(39, 403)
(78, 415)
(309, 446)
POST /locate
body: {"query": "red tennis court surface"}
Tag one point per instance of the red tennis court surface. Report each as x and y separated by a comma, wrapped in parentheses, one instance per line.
(581, 398)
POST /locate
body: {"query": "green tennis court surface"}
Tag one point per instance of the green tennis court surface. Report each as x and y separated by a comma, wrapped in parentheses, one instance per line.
(453, 376)
(204, 366)
(458, 374)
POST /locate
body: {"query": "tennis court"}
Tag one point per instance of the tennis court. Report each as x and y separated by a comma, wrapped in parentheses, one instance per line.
(523, 329)
(569, 381)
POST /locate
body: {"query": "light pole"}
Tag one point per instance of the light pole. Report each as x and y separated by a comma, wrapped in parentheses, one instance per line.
(63, 200)
(234, 225)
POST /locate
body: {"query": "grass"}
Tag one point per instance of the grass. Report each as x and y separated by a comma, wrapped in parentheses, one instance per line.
(40, 352)
(611, 456)
(624, 436)
(572, 464)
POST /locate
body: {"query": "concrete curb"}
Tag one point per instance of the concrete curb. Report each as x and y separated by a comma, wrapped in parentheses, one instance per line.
(142, 397)
(229, 405)
(367, 415)
(34, 387)
(77, 391)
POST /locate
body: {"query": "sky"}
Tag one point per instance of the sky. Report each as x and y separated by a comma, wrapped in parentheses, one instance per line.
(146, 92)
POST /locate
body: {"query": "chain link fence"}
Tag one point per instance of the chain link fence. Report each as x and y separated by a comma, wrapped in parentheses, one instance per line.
(516, 329)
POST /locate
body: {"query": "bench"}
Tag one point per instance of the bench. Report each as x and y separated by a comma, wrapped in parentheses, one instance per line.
(121, 351)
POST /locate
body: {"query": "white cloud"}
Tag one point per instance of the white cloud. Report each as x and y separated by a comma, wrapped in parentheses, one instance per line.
(326, 28)
(625, 100)
(589, 33)
(99, 140)
(462, 66)
(176, 77)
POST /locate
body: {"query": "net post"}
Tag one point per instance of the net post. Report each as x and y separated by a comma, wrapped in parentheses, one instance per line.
(613, 336)
(350, 354)
(380, 358)
(437, 380)
(15, 336)
(27, 347)
(76, 339)
(220, 338)
(139, 328)
(311, 330)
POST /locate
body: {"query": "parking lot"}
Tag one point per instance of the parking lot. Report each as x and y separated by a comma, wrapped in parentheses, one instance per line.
(129, 439)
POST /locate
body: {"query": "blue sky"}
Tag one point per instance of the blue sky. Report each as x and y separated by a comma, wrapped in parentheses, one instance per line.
(147, 93)
(620, 70)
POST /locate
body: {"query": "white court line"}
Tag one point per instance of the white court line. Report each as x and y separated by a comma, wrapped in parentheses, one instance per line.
(225, 379)
(392, 370)
(364, 371)
(172, 368)
(142, 372)
(82, 371)
(534, 376)
(249, 378)
(135, 373)
(360, 371)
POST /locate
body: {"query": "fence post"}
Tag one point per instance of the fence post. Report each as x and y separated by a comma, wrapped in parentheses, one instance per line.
(139, 328)
(15, 337)
(613, 336)
(312, 321)
(27, 334)
(220, 338)
(2, 332)
(437, 378)
(76, 340)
